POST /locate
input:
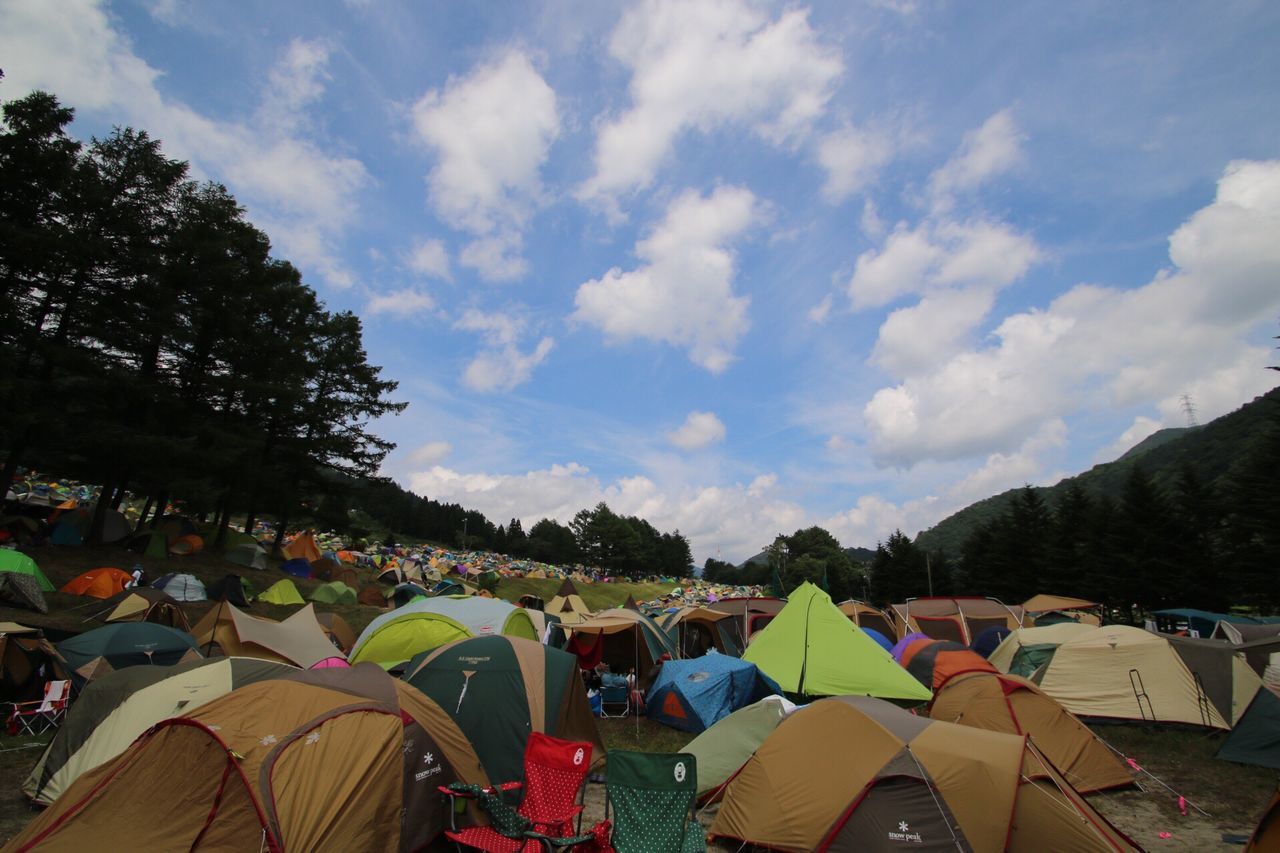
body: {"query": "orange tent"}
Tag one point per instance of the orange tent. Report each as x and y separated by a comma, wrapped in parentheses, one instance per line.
(187, 545)
(99, 583)
(303, 546)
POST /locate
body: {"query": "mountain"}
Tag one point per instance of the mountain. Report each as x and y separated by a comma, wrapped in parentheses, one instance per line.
(1209, 450)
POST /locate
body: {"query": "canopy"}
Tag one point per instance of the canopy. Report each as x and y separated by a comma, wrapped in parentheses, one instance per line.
(1042, 603)
(298, 640)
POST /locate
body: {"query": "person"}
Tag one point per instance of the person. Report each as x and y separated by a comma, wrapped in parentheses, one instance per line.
(138, 575)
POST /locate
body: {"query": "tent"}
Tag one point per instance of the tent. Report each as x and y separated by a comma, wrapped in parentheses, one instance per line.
(298, 640)
(1266, 836)
(114, 710)
(622, 639)
(726, 746)
(567, 605)
(95, 653)
(282, 592)
(865, 616)
(19, 563)
(182, 587)
(1027, 649)
(147, 604)
(98, 583)
(251, 555)
(1121, 672)
(1222, 672)
(752, 614)
(297, 567)
(337, 630)
(958, 619)
(1196, 623)
(24, 653)
(1256, 736)
(302, 547)
(22, 591)
(853, 772)
(333, 592)
(149, 543)
(1007, 703)
(185, 546)
(694, 694)
(431, 622)
(933, 662)
(73, 526)
(231, 588)
(881, 640)
(371, 596)
(1052, 609)
(335, 759)
(811, 648)
(500, 689)
(174, 527)
(989, 640)
(698, 630)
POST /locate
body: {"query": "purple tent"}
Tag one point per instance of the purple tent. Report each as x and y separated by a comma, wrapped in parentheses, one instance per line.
(898, 649)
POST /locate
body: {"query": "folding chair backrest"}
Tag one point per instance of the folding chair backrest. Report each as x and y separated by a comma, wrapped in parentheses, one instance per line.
(554, 771)
(651, 796)
(614, 693)
(55, 695)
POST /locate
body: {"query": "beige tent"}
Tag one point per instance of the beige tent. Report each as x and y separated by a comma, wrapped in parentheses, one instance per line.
(1125, 673)
(1019, 647)
(857, 773)
(695, 631)
(1058, 607)
(298, 640)
(957, 619)
(568, 605)
(865, 616)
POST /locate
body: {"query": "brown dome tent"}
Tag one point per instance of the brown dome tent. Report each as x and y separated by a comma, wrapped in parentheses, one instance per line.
(889, 778)
(337, 759)
(1013, 705)
(865, 616)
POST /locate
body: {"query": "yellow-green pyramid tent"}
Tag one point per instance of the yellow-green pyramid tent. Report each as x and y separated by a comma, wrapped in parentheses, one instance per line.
(282, 592)
(811, 648)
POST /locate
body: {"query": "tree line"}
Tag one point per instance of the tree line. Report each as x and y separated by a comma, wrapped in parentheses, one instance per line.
(151, 342)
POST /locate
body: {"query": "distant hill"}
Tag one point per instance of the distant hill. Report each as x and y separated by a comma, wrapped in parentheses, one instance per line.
(1209, 450)
(858, 555)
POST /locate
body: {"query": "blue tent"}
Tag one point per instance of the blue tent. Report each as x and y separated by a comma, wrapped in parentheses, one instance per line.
(986, 642)
(881, 639)
(695, 694)
(297, 567)
(1201, 621)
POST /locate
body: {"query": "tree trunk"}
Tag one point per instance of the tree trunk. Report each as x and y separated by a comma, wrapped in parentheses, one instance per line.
(162, 501)
(251, 520)
(280, 527)
(10, 467)
(118, 497)
(223, 516)
(142, 517)
(100, 513)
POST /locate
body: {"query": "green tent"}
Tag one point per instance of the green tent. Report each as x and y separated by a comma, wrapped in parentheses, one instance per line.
(500, 689)
(1256, 737)
(727, 745)
(334, 592)
(96, 653)
(430, 622)
(811, 648)
(282, 592)
(19, 563)
(151, 543)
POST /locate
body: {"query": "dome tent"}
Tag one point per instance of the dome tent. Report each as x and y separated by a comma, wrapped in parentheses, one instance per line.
(428, 623)
(95, 653)
(695, 694)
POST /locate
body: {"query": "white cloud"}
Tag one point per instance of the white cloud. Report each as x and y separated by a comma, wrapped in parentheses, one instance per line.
(683, 294)
(1187, 330)
(852, 158)
(701, 65)
(699, 430)
(430, 258)
(733, 520)
(491, 132)
(304, 197)
(1141, 428)
(430, 453)
(502, 366)
(402, 303)
(818, 314)
(992, 149)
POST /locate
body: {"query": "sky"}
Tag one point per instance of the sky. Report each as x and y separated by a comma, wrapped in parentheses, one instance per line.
(737, 268)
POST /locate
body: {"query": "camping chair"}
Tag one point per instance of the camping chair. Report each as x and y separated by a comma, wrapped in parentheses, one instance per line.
(652, 797)
(615, 691)
(555, 771)
(37, 717)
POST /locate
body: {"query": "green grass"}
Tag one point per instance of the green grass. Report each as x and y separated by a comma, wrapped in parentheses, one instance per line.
(641, 734)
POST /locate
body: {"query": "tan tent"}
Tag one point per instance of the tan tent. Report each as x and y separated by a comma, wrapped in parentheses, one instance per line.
(339, 632)
(568, 605)
(957, 619)
(298, 640)
(865, 616)
(147, 604)
(23, 651)
(1020, 652)
(1056, 608)
(1007, 703)
(696, 631)
(887, 778)
(623, 639)
(1266, 836)
(337, 759)
(1125, 673)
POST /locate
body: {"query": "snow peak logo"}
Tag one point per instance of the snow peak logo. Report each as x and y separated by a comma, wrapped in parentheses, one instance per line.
(429, 760)
(904, 833)
(473, 659)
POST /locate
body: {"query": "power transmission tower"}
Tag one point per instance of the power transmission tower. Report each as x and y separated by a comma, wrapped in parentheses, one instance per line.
(1189, 409)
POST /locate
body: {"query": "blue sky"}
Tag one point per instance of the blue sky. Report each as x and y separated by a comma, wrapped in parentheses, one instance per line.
(735, 267)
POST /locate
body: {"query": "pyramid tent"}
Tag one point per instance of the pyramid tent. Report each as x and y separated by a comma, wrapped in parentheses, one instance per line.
(811, 648)
(500, 689)
(282, 592)
(111, 712)
(298, 640)
(332, 759)
(567, 605)
(727, 745)
(333, 592)
(1256, 737)
(19, 563)
(302, 547)
(857, 773)
(695, 694)
(1010, 704)
(98, 583)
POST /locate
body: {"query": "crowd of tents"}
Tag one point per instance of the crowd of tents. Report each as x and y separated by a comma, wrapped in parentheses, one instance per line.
(953, 721)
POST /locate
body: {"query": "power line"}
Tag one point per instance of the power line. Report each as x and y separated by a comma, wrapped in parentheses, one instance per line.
(1189, 409)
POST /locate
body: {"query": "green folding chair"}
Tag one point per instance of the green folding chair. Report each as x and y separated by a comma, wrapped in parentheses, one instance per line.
(650, 799)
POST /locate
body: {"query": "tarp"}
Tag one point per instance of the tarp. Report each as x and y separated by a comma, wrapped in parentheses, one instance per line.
(692, 695)
(298, 640)
(428, 623)
(811, 648)
(147, 604)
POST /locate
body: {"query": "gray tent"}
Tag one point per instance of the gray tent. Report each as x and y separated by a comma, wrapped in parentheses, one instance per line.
(249, 554)
(23, 591)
